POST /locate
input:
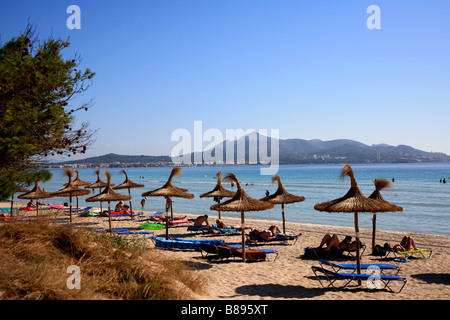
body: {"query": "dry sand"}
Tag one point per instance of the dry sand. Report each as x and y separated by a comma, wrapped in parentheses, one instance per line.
(290, 277)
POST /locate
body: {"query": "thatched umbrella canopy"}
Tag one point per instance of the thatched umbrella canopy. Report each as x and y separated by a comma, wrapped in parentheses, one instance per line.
(353, 201)
(71, 190)
(376, 195)
(35, 194)
(78, 182)
(219, 191)
(241, 202)
(108, 195)
(169, 190)
(99, 184)
(128, 184)
(281, 196)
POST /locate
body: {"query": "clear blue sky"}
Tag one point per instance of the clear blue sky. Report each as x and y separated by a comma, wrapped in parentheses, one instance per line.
(311, 69)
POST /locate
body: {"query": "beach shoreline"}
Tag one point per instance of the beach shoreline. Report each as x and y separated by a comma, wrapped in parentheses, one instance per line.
(290, 276)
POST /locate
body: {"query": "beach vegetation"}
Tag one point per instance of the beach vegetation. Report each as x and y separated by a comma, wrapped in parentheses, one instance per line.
(36, 256)
(38, 88)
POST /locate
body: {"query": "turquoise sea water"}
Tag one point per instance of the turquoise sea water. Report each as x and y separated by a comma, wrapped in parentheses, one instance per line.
(417, 188)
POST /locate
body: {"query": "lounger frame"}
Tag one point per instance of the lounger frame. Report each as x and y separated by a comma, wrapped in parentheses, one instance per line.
(382, 267)
(332, 277)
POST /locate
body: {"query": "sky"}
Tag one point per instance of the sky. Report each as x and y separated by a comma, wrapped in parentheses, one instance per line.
(311, 69)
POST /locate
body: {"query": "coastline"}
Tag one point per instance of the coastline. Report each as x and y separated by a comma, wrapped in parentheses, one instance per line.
(290, 277)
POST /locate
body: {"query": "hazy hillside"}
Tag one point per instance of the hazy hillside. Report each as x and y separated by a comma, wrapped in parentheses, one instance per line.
(293, 151)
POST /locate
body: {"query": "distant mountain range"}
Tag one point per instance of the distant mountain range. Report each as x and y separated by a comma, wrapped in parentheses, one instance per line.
(291, 151)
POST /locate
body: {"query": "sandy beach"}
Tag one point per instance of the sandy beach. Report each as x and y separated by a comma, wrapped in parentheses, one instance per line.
(290, 277)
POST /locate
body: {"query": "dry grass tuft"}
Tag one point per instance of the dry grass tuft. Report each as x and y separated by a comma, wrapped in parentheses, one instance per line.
(35, 257)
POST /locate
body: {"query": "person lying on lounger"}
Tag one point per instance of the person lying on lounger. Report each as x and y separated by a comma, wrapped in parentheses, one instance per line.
(271, 233)
(162, 216)
(223, 225)
(332, 242)
(406, 244)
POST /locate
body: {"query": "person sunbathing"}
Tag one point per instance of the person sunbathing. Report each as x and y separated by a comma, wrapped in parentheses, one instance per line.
(222, 225)
(406, 244)
(162, 216)
(332, 242)
(271, 233)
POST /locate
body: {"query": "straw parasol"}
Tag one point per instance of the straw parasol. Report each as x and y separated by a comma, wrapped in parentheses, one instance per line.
(128, 184)
(281, 196)
(35, 194)
(79, 183)
(353, 201)
(219, 191)
(169, 190)
(108, 194)
(71, 190)
(241, 202)
(98, 184)
(376, 195)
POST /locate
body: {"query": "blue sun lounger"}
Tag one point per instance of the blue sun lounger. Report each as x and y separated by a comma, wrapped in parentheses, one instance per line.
(212, 241)
(364, 266)
(197, 228)
(332, 277)
(175, 244)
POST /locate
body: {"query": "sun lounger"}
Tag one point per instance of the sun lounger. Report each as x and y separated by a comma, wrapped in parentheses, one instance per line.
(279, 238)
(125, 214)
(364, 266)
(212, 241)
(333, 253)
(225, 230)
(226, 251)
(135, 232)
(196, 229)
(79, 210)
(177, 222)
(384, 253)
(332, 277)
(175, 244)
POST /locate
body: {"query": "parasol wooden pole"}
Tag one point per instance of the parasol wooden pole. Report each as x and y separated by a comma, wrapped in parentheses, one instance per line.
(131, 208)
(220, 218)
(167, 217)
(70, 207)
(284, 222)
(109, 216)
(12, 202)
(374, 223)
(358, 262)
(243, 236)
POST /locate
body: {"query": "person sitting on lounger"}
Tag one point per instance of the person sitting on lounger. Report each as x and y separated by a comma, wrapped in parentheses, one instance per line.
(332, 242)
(31, 204)
(406, 244)
(200, 220)
(119, 207)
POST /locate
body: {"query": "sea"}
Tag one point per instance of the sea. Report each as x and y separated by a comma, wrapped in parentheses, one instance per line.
(417, 187)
